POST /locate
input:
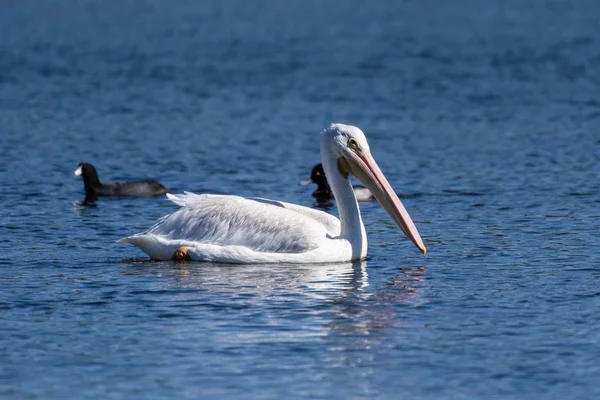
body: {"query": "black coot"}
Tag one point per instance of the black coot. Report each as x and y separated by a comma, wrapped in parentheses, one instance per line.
(323, 191)
(93, 187)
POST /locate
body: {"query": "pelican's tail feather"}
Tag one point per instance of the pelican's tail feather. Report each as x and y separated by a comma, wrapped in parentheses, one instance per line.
(177, 199)
(152, 245)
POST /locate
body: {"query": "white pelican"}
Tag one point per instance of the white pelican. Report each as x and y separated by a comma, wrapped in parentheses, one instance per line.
(235, 229)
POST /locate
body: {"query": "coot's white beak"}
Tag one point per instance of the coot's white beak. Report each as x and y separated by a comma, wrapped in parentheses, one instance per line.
(77, 171)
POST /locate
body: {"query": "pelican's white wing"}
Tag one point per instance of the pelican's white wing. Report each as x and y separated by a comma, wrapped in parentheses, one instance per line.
(259, 225)
(331, 223)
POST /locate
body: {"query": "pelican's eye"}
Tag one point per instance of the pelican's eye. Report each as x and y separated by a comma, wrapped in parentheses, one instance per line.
(353, 144)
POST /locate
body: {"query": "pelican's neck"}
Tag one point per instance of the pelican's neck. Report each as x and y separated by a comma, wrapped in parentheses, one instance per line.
(352, 227)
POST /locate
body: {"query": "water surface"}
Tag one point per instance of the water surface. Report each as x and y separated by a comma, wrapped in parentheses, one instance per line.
(483, 115)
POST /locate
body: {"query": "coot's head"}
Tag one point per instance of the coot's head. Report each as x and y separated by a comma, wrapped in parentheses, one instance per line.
(317, 176)
(87, 172)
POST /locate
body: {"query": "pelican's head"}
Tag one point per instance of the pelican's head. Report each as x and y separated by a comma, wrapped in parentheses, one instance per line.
(351, 150)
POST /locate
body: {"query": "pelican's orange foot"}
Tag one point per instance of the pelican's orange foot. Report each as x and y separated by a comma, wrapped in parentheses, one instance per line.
(181, 254)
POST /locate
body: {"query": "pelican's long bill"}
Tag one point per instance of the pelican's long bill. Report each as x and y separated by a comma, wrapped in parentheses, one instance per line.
(363, 166)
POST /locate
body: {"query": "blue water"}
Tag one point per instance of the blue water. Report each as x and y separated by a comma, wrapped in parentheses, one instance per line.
(484, 115)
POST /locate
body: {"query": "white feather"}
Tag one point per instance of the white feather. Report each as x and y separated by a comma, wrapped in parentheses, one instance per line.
(237, 229)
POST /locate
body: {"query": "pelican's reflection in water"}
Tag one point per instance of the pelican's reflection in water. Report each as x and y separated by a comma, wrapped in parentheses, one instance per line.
(366, 331)
(339, 293)
(378, 308)
(335, 313)
(311, 281)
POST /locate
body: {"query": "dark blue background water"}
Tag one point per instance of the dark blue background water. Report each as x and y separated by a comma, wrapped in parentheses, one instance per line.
(484, 114)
